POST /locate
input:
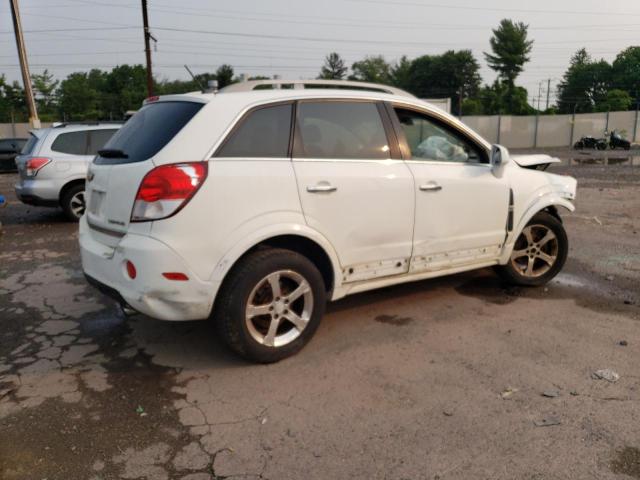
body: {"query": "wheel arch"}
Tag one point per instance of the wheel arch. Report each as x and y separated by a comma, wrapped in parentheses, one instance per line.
(67, 186)
(300, 239)
(548, 203)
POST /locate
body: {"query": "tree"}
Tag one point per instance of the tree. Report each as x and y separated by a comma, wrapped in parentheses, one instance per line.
(617, 100)
(333, 68)
(78, 99)
(401, 73)
(452, 74)
(584, 85)
(511, 50)
(626, 71)
(372, 69)
(13, 105)
(125, 89)
(224, 75)
(45, 88)
(499, 99)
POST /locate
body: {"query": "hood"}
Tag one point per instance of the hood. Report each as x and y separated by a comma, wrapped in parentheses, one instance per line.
(534, 161)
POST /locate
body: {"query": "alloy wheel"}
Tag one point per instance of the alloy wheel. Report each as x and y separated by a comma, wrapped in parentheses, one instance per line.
(77, 204)
(279, 308)
(536, 251)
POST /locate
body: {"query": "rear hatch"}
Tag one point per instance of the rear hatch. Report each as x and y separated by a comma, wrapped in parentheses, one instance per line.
(117, 171)
(29, 150)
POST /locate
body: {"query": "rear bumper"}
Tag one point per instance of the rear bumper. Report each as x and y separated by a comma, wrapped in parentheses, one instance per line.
(36, 192)
(149, 293)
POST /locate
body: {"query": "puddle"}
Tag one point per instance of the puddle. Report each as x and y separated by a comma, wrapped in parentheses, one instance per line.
(394, 320)
(627, 462)
(574, 281)
(608, 160)
(490, 288)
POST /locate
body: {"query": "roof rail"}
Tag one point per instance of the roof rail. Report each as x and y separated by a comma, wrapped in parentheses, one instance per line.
(302, 84)
(87, 122)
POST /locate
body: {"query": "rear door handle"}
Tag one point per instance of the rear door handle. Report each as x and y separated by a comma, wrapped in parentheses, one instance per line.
(430, 187)
(322, 188)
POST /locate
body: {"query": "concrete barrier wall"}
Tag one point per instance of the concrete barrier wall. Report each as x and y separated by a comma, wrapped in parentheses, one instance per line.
(510, 131)
(552, 130)
(17, 130)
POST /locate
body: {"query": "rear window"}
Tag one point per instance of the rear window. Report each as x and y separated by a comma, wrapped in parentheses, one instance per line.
(72, 143)
(31, 143)
(148, 131)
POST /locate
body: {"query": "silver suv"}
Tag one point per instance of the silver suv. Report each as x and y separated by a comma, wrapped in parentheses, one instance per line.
(53, 165)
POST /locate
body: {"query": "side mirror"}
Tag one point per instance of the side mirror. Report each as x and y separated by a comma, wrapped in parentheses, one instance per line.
(499, 156)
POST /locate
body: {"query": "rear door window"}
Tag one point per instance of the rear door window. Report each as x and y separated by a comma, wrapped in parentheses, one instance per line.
(148, 131)
(341, 130)
(72, 143)
(98, 139)
(262, 133)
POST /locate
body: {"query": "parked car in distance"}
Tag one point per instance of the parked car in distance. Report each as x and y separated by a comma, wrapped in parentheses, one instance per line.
(53, 165)
(9, 150)
(254, 206)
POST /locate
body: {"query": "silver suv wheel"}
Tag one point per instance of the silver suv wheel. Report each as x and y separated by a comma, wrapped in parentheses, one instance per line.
(77, 204)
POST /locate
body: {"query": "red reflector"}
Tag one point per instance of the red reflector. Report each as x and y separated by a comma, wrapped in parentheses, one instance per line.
(155, 98)
(131, 270)
(177, 276)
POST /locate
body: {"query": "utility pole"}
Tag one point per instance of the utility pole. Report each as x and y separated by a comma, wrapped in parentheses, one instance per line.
(147, 49)
(548, 92)
(34, 121)
(539, 94)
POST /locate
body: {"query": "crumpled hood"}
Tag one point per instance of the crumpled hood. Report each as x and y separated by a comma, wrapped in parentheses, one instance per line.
(533, 160)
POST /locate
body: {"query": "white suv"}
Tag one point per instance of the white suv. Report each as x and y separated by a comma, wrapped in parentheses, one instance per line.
(254, 206)
(53, 164)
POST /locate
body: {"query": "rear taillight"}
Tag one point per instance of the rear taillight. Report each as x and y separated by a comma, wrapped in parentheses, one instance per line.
(167, 189)
(35, 164)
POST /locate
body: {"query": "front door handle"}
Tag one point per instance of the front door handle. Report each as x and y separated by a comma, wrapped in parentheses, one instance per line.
(322, 188)
(430, 187)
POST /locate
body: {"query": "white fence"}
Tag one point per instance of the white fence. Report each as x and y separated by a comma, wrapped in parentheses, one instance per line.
(510, 131)
(552, 130)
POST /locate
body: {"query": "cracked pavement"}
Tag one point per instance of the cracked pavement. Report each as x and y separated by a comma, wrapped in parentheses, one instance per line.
(407, 382)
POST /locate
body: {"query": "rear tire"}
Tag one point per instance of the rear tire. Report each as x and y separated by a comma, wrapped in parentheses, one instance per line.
(539, 252)
(270, 305)
(73, 202)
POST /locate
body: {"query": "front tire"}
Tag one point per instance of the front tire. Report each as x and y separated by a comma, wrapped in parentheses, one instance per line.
(539, 252)
(73, 202)
(270, 305)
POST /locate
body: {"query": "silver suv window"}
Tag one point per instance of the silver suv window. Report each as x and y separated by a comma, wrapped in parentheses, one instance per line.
(84, 142)
(72, 143)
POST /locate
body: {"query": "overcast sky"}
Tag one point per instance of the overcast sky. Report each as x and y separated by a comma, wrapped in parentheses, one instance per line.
(291, 37)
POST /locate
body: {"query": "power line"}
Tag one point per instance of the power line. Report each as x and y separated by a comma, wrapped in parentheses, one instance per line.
(493, 9)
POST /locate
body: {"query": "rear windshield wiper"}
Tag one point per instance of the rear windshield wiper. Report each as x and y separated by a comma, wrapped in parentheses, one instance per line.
(112, 153)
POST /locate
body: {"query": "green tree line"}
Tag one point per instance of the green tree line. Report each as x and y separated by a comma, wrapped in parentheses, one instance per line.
(588, 85)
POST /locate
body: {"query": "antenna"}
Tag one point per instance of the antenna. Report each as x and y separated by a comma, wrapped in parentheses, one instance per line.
(202, 87)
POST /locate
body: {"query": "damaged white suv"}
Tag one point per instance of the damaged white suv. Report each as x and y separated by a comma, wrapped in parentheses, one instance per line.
(255, 205)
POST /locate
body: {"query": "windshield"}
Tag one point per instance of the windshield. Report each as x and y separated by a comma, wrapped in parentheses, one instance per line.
(147, 132)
